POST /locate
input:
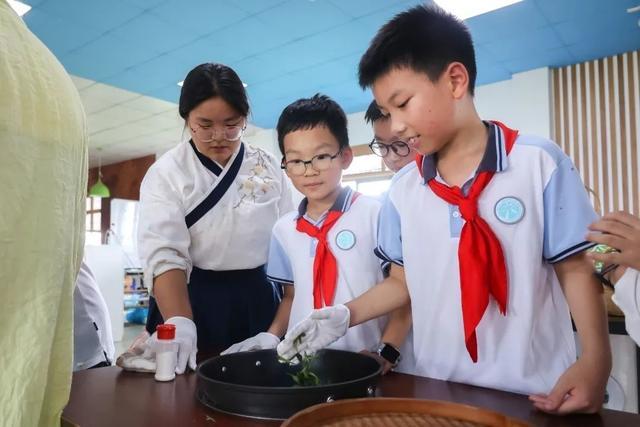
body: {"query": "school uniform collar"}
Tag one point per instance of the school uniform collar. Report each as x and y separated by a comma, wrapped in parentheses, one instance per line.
(342, 204)
(494, 159)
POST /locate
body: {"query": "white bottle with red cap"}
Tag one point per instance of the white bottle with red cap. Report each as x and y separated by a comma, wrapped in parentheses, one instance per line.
(166, 350)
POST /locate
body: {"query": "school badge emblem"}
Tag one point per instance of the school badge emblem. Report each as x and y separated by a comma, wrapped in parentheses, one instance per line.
(345, 240)
(509, 210)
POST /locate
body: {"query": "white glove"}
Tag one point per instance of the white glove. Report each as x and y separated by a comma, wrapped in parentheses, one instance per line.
(139, 356)
(322, 328)
(262, 341)
(187, 340)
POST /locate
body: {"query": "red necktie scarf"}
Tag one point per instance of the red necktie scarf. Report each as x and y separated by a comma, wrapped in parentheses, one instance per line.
(325, 268)
(480, 258)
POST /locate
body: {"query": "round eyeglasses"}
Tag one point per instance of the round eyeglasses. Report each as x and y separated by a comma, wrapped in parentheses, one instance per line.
(207, 133)
(319, 163)
(400, 148)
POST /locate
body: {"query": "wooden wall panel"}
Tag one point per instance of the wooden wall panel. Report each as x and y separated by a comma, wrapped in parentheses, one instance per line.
(123, 180)
(596, 119)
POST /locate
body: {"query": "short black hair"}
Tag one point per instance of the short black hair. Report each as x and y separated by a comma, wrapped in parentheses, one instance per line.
(307, 113)
(212, 80)
(373, 113)
(424, 38)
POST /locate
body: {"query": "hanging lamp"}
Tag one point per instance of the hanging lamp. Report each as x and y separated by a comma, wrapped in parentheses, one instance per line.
(99, 189)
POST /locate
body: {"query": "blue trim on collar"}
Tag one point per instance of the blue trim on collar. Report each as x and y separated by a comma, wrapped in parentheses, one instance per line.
(219, 190)
(342, 203)
(429, 170)
(494, 158)
(206, 162)
(490, 159)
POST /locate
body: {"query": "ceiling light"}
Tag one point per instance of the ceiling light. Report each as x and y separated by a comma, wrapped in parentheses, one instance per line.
(464, 9)
(99, 189)
(19, 7)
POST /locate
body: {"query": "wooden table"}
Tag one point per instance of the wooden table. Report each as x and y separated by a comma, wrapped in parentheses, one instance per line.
(112, 397)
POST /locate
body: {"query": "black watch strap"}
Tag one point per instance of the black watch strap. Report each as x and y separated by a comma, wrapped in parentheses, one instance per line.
(389, 353)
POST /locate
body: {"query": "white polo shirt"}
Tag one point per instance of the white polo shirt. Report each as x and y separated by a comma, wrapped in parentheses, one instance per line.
(538, 208)
(627, 297)
(352, 240)
(92, 336)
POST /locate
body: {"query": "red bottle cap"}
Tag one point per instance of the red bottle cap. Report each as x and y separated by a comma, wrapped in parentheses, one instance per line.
(166, 331)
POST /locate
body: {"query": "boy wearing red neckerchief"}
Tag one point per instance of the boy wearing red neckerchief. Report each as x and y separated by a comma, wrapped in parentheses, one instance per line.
(486, 233)
(323, 253)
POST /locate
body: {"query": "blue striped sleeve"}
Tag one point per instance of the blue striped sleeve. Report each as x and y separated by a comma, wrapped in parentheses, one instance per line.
(279, 265)
(389, 248)
(567, 213)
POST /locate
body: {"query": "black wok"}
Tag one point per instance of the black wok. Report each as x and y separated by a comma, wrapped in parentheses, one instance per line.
(254, 384)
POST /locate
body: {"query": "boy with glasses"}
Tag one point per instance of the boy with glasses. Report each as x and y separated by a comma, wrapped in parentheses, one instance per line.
(486, 234)
(323, 253)
(395, 153)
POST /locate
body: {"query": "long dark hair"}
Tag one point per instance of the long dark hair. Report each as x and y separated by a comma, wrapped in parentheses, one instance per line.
(211, 80)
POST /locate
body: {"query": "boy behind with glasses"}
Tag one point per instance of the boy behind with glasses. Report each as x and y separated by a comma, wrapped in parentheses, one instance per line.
(395, 152)
(322, 253)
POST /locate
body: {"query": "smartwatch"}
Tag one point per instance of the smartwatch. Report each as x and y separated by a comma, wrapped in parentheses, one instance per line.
(389, 353)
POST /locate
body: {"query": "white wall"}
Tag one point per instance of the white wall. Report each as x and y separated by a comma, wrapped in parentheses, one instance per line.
(523, 103)
(359, 133)
(265, 139)
(107, 265)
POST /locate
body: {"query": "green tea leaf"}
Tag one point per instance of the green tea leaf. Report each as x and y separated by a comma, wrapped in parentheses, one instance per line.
(304, 377)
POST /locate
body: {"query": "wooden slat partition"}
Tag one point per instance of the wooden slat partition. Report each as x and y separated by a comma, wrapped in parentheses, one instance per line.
(596, 120)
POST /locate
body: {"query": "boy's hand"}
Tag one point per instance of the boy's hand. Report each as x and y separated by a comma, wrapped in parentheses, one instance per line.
(262, 341)
(322, 328)
(621, 231)
(386, 365)
(581, 388)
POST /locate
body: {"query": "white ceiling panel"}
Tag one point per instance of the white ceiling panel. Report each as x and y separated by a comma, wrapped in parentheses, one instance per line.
(81, 83)
(152, 105)
(125, 125)
(114, 117)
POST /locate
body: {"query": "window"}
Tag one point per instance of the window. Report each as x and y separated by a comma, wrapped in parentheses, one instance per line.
(365, 163)
(367, 173)
(93, 225)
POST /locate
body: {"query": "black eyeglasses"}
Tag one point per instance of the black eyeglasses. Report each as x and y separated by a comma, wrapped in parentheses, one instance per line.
(319, 163)
(382, 149)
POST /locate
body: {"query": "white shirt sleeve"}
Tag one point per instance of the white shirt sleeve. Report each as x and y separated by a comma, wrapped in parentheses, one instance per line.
(163, 236)
(389, 239)
(567, 213)
(279, 265)
(285, 204)
(92, 335)
(627, 297)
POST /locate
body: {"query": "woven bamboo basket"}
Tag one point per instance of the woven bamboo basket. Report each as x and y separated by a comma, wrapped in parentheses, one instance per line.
(391, 412)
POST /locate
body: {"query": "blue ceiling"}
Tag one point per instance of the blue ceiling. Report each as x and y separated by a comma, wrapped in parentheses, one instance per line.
(286, 49)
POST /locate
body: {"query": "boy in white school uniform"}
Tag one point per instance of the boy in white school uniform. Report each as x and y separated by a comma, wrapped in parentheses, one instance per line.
(323, 253)
(486, 234)
(395, 153)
